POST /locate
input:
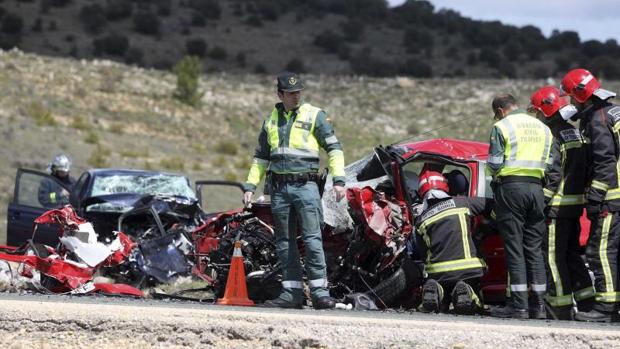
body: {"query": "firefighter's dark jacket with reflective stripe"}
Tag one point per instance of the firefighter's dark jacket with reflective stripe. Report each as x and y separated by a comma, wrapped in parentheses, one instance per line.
(520, 146)
(289, 142)
(565, 177)
(444, 237)
(599, 125)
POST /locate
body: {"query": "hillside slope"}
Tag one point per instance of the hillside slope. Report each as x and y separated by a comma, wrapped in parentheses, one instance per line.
(108, 114)
(362, 37)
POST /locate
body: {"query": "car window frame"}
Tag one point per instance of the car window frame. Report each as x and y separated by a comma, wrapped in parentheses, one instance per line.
(18, 177)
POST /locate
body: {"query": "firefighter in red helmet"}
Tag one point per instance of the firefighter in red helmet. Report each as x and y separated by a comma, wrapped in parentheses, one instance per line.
(599, 127)
(443, 232)
(565, 179)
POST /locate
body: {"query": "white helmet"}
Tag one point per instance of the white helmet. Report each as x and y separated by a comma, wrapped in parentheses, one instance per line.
(60, 162)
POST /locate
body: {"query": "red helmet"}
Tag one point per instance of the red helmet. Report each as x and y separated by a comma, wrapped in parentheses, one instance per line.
(547, 100)
(432, 180)
(580, 84)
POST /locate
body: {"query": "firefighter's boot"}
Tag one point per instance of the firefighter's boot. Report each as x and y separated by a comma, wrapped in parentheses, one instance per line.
(464, 299)
(596, 316)
(560, 313)
(432, 296)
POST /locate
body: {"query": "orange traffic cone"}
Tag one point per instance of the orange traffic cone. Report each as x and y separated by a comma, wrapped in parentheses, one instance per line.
(236, 290)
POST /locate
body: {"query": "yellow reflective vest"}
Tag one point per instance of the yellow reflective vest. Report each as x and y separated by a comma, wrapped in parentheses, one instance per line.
(527, 146)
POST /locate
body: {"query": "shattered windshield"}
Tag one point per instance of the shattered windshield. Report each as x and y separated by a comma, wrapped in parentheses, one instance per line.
(161, 184)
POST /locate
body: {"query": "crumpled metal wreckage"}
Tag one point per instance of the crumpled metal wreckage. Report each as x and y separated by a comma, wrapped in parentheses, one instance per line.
(164, 240)
(71, 266)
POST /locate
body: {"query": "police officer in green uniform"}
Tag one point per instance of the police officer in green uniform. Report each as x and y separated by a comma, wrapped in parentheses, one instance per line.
(288, 148)
(518, 155)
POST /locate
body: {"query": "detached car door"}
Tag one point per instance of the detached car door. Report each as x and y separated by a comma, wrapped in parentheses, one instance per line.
(26, 206)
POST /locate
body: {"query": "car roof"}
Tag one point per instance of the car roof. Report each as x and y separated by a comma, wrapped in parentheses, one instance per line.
(454, 148)
(126, 171)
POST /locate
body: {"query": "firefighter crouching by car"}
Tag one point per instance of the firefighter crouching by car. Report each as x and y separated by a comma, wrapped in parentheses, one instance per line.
(444, 236)
(565, 180)
(518, 155)
(288, 146)
(599, 126)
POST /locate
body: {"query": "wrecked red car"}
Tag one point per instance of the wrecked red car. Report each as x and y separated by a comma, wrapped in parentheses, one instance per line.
(367, 239)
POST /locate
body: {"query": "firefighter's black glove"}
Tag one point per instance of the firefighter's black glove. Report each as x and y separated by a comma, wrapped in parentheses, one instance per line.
(593, 209)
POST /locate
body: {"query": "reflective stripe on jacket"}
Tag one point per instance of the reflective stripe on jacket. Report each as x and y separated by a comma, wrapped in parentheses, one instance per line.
(444, 234)
(565, 178)
(600, 127)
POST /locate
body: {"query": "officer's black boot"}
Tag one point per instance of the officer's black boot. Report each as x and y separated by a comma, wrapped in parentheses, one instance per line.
(324, 303)
(432, 295)
(509, 311)
(280, 303)
(537, 307)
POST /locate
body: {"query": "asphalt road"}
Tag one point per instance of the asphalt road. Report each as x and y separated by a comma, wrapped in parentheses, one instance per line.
(40, 321)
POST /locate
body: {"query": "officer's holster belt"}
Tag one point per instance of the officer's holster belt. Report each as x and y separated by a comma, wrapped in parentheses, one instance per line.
(522, 179)
(294, 177)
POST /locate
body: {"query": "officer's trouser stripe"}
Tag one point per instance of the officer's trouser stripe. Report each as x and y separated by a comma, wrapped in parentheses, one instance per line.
(555, 272)
(609, 282)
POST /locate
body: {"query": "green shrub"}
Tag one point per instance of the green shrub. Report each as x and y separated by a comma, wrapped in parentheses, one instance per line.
(112, 44)
(147, 165)
(260, 69)
(220, 161)
(172, 164)
(188, 71)
(146, 23)
(164, 7)
(329, 41)
(12, 24)
(93, 18)
(416, 40)
(8, 41)
(37, 26)
(80, 123)
(295, 65)
(218, 53)
(198, 20)
(231, 176)
(110, 78)
(60, 3)
(254, 21)
(92, 137)
(134, 56)
(207, 8)
(118, 9)
(417, 68)
(226, 147)
(196, 47)
(134, 154)
(353, 29)
(99, 157)
(41, 115)
(240, 59)
(117, 128)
